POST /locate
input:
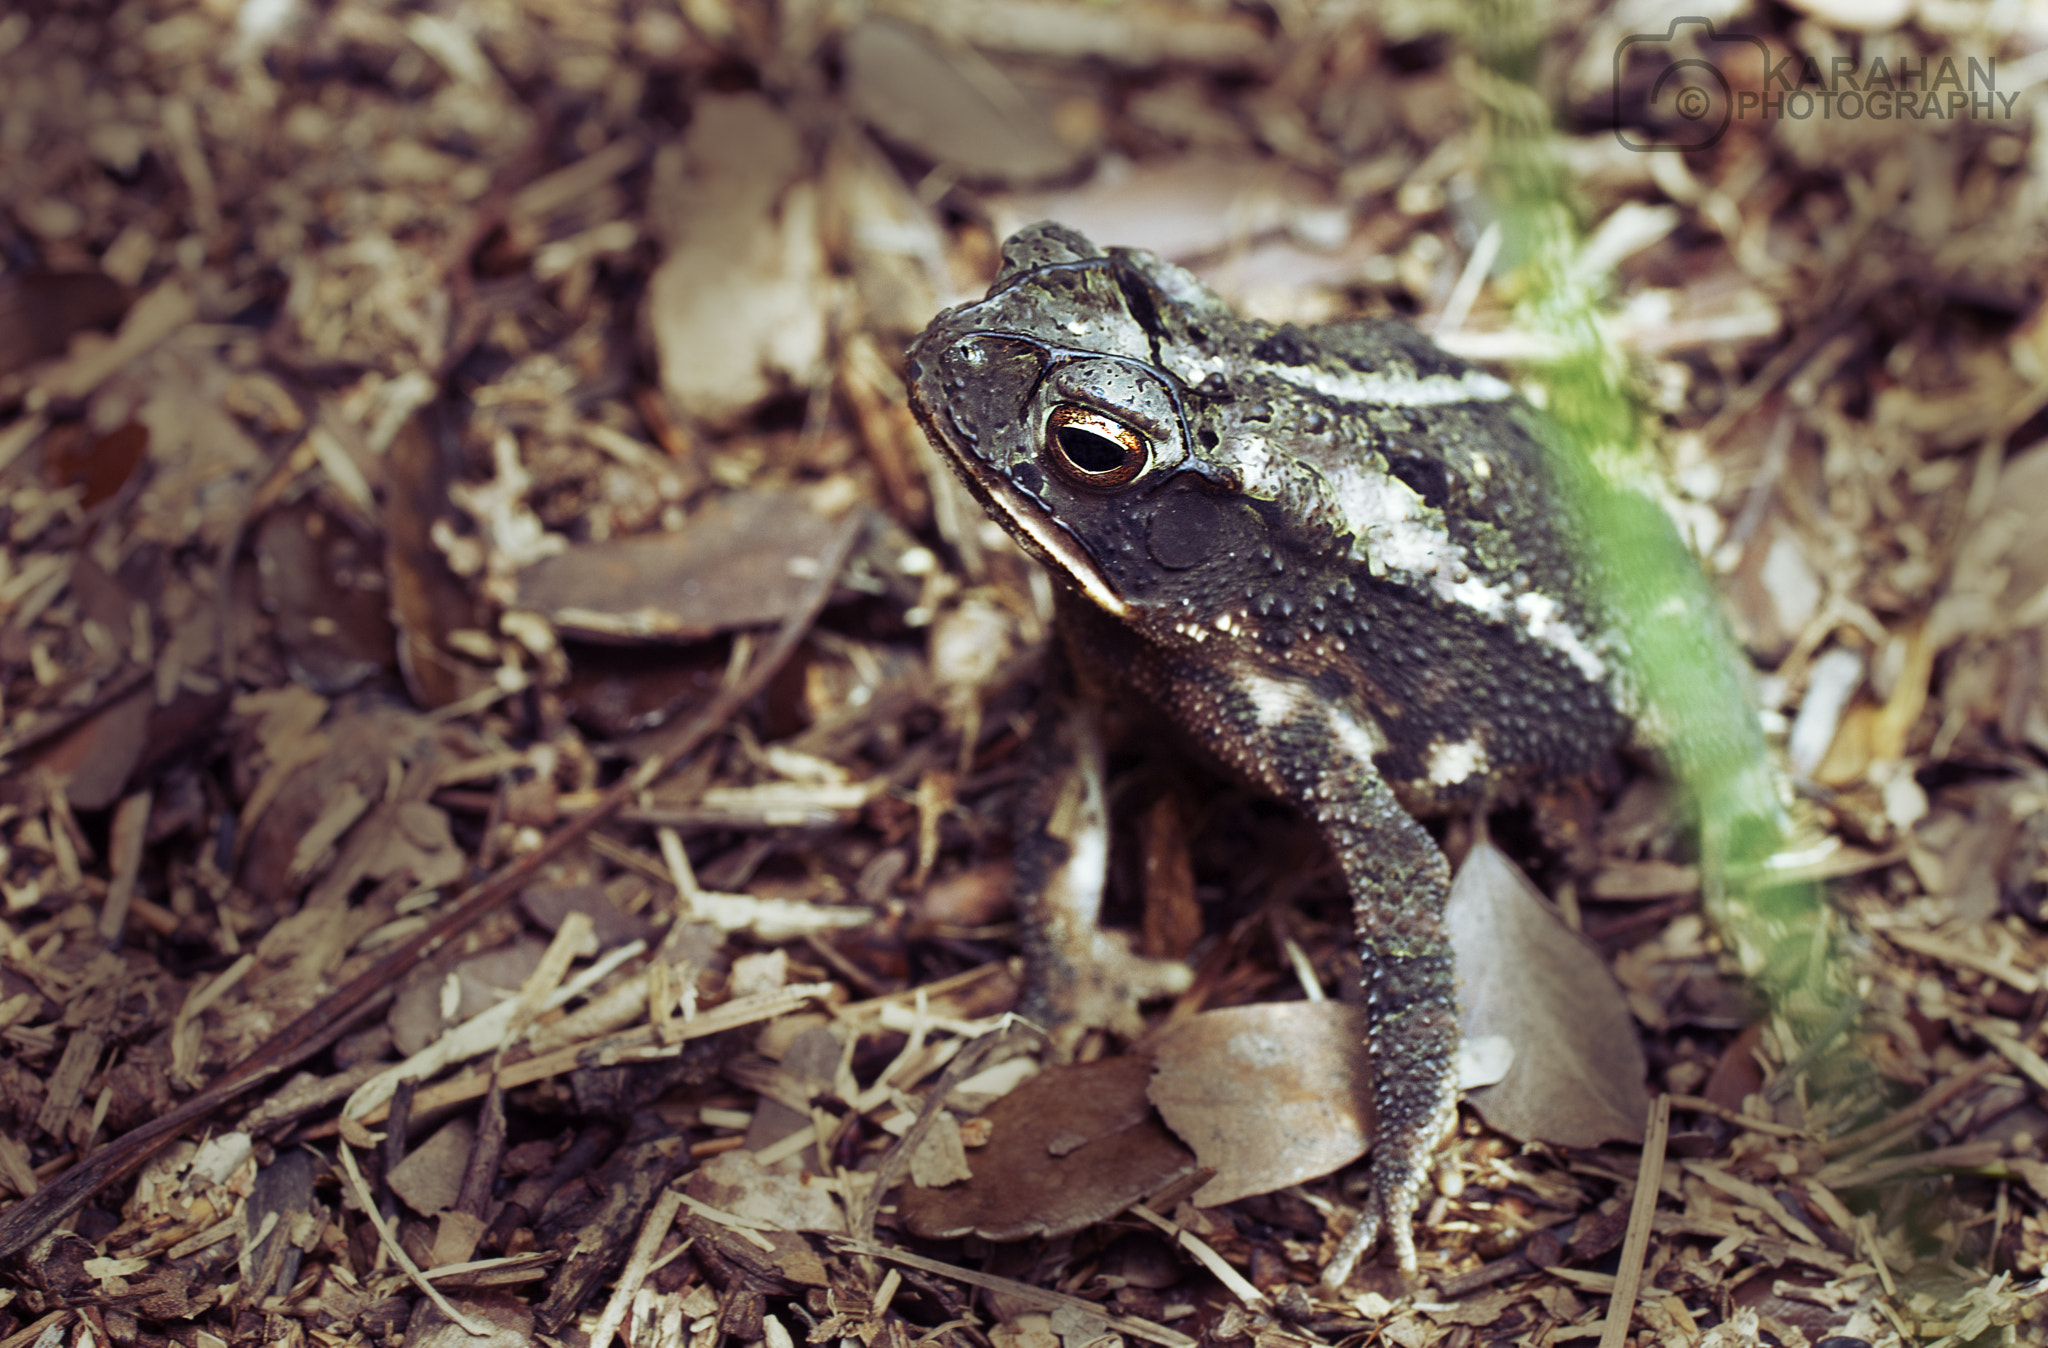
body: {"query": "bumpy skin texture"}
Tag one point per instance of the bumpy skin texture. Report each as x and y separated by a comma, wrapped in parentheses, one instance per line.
(1334, 556)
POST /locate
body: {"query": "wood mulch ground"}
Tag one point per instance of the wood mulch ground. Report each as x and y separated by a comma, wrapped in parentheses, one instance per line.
(509, 732)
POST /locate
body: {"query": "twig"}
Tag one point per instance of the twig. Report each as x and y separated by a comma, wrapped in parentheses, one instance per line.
(1699, 1104)
(1845, 306)
(35, 1216)
(748, 1229)
(1962, 1156)
(633, 1045)
(1233, 1282)
(2028, 1062)
(1887, 1129)
(33, 1333)
(1641, 1215)
(397, 1251)
(637, 1265)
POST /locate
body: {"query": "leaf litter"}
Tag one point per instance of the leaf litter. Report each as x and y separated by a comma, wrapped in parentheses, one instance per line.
(326, 332)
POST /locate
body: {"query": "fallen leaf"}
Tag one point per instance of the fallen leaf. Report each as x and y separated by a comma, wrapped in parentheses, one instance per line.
(39, 310)
(735, 1182)
(618, 691)
(890, 241)
(941, 1157)
(743, 561)
(736, 308)
(430, 1176)
(1737, 1076)
(1577, 1076)
(353, 752)
(1639, 881)
(506, 1322)
(808, 1064)
(971, 898)
(95, 758)
(911, 91)
(1181, 208)
(1774, 594)
(100, 465)
(1072, 1146)
(548, 904)
(423, 1009)
(1267, 1096)
(428, 600)
(323, 586)
(422, 845)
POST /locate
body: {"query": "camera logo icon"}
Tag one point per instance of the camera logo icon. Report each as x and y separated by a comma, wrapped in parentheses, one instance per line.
(1671, 91)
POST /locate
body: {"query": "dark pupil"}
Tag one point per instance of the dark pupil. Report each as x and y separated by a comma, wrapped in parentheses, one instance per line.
(1089, 452)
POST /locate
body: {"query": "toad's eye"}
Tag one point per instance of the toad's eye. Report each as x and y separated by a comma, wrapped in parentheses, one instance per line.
(1092, 450)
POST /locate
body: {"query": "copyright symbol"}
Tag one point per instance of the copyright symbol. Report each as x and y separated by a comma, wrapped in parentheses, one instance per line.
(1688, 103)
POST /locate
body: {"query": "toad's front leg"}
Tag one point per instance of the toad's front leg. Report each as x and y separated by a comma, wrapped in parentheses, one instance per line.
(1399, 882)
(1317, 755)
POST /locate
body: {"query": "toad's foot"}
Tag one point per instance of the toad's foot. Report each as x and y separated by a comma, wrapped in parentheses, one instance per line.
(1393, 1212)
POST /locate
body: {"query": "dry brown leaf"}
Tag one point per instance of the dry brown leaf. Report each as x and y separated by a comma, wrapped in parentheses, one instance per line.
(618, 691)
(430, 1176)
(971, 898)
(941, 1157)
(742, 561)
(1639, 881)
(890, 240)
(94, 759)
(323, 587)
(507, 1322)
(421, 844)
(98, 465)
(428, 601)
(352, 752)
(40, 310)
(1183, 208)
(1577, 1075)
(549, 903)
(1774, 593)
(1267, 1096)
(980, 125)
(736, 1183)
(424, 1008)
(1072, 1146)
(736, 308)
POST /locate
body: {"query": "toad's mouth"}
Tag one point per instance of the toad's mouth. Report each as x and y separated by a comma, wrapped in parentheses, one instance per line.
(1044, 536)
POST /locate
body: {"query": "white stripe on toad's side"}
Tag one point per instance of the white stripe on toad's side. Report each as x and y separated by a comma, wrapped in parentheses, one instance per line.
(1274, 700)
(1366, 388)
(1450, 764)
(1393, 390)
(1542, 615)
(1361, 739)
